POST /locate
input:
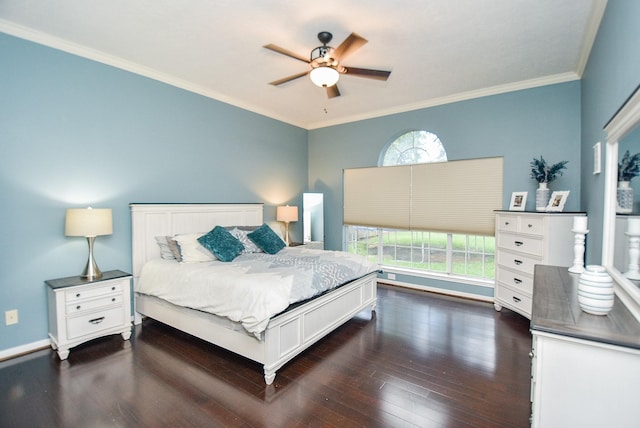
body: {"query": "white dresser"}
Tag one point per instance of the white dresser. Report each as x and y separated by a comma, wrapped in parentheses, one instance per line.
(585, 369)
(524, 239)
(81, 309)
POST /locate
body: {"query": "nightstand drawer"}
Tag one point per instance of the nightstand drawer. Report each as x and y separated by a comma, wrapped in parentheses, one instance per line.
(507, 223)
(72, 296)
(83, 325)
(517, 262)
(523, 244)
(87, 305)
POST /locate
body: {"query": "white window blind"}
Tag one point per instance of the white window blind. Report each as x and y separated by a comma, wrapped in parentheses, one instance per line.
(377, 197)
(455, 196)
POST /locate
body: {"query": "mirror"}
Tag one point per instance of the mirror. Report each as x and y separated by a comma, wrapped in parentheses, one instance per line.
(621, 131)
(313, 219)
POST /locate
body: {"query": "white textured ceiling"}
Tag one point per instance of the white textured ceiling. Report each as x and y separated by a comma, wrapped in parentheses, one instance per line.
(437, 50)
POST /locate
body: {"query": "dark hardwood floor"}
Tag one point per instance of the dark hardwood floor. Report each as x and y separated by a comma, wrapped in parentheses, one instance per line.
(423, 360)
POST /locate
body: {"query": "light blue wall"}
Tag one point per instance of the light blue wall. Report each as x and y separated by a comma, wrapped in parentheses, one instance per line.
(74, 132)
(519, 126)
(612, 73)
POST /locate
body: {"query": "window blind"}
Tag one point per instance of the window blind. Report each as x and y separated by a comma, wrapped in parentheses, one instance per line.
(455, 196)
(377, 197)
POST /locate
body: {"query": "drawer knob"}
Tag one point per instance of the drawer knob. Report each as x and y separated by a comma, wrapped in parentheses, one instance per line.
(529, 225)
(113, 288)
(506, 223)
(113, 299)
(515, 299)
(518, 243)
(517, 281)
(96, 320)
(77, 294)
(78, 307)
(518, 262)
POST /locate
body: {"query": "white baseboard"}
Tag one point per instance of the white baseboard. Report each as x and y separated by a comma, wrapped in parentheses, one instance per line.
(24, 349)
(437, 290)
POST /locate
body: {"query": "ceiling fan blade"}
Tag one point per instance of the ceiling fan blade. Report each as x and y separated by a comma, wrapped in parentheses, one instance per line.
(333, 91)
(288, 79)
(368, 73)
(349, 46)
(286, 52)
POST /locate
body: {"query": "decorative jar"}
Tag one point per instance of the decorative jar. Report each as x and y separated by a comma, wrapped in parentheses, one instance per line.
(595, 290)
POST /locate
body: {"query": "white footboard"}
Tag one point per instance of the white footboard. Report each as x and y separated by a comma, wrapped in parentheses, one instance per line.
(289, 334)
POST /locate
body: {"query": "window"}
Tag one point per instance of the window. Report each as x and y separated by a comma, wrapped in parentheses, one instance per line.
(441, 253)
(414, 147)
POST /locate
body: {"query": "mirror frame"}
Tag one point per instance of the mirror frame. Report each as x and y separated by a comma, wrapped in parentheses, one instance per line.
(622, 123)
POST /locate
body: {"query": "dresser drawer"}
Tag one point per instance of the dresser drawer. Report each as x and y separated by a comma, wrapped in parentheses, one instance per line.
(91, 323)
(514, 299)
(82, 293)
(87, 305)
(508, 223)
(518, 262)
(531, 225)
(516, 280)
(523, 244)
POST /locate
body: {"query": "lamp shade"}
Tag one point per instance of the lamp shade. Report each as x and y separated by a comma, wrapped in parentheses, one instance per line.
(287, 213)
(88, 222)
(324, 76)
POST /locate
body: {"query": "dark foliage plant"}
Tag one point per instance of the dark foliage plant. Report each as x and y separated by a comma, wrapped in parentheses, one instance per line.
(629, 166)
(542, 172)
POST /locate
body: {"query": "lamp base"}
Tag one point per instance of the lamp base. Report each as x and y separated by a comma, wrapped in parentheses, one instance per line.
(91, 271)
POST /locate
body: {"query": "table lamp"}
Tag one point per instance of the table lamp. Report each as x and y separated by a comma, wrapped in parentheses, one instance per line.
(287, 214)
(89, 222)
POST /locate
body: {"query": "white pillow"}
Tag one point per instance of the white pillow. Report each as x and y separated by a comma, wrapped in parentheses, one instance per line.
(249, 246)
(165, 250)
(277, 227)
(191, 250)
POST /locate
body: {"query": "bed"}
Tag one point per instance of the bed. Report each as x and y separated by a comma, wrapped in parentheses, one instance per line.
(286, 335)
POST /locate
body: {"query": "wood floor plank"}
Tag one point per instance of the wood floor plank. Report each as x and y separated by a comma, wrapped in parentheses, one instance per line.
(423, 360)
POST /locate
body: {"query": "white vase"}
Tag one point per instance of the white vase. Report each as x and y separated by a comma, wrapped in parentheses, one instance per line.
(624, 197)
(595, 291)
(543, 193)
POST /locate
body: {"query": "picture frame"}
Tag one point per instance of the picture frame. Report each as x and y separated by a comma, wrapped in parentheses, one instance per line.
(557, 201)
(518, 201)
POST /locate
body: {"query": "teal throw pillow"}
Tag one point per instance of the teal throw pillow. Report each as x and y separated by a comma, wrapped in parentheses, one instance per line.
(265, 238)
(221, 243)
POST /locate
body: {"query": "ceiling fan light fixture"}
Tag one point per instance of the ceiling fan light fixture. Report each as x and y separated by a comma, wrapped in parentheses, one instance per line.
(324, 76)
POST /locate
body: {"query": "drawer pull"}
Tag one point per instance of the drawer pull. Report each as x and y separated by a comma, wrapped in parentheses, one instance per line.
(518, 243)
(99, 320)
(517, 281)
(529, 225)
(518, 262)
(78, 307)
(515, 299)
(78, 295)
(506, 223)
(113, 288)
(113, 299)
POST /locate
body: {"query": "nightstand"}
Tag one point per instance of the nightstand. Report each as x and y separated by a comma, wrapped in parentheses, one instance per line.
(81, 310)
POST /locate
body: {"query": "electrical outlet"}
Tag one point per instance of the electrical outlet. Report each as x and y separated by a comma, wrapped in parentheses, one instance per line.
(391, 276)
(11, 317)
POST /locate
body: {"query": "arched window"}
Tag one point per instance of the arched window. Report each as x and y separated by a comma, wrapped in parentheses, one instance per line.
(413, 147)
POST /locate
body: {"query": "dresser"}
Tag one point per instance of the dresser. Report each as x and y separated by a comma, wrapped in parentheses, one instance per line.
(82, 309)
(524, 239)
(585, 369)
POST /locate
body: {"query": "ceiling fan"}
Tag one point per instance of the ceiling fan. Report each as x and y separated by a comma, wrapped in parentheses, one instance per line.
(325, 63)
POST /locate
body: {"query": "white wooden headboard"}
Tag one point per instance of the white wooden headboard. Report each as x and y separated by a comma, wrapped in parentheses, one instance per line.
(151, 220)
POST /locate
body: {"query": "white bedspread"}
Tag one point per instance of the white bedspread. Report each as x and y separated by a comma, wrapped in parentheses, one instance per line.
(254, 287)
